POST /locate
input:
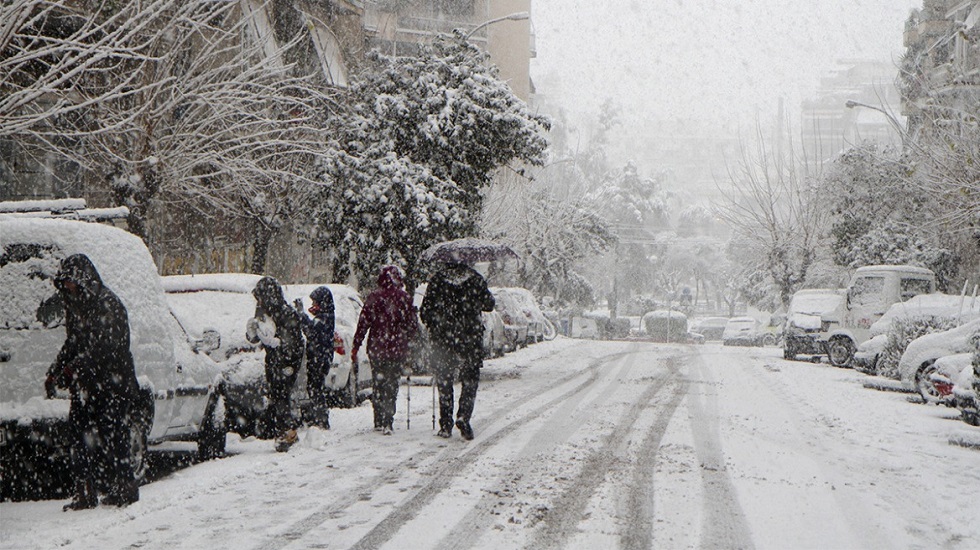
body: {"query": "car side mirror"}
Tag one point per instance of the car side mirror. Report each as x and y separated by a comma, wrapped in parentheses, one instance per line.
(210, 342)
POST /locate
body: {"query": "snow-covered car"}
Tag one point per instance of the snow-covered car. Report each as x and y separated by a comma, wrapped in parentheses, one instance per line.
(710, 327)
(515, 321)
(801, 334)
(494, 335)
(747, 331)
(966, 393)
(869, 353)
(537, 324)
(669, 326)
(223, 303)
(948, 371)
(922, 306)
(918, 362)
(180, 389)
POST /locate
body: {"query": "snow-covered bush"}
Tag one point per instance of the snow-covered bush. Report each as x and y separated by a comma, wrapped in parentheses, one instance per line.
(902, 332)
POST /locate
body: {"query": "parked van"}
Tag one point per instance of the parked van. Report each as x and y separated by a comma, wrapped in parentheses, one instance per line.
(872, 290)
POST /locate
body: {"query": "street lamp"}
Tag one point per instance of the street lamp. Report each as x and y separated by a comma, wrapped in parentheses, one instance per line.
(850, 104)
(517, 16)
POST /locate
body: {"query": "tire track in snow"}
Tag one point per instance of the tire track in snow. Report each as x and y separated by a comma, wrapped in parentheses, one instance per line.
(441, 477)
(561, 425)
(723, 524)
(639, 501)
(567, 510)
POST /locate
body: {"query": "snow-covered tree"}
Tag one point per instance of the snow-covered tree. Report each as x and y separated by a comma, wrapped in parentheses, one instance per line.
(626, 197)
(176, 101)
(882, 214)
(425, 135)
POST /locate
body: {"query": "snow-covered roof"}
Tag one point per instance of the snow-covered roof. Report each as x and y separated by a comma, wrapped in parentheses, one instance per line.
(894, 268)
(817, 301)
(223, 282)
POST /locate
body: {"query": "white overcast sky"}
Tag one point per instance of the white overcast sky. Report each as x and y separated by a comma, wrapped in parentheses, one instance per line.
(720, 60)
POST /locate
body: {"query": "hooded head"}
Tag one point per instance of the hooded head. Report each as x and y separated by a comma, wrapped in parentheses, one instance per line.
(78, 281)
(390, 276)
(322, 300)
(268, 294)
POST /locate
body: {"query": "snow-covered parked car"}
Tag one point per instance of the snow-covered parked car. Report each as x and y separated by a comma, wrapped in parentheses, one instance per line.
(948, 371)
(801, 334)
(955, 308)
(180, 396)
(516, 324)
(494, 335)
(537, 324)
(669, 326)
(223, 303)
(918, 362)
(747, 331)
(710, 327)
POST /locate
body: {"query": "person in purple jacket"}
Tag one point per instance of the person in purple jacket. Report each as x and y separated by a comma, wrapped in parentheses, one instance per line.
(389, 321)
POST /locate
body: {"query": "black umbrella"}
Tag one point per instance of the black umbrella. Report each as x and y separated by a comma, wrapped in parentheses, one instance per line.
(468, 251)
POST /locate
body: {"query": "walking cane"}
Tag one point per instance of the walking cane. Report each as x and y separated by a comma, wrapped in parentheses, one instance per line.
(408, 399)
(432, 377)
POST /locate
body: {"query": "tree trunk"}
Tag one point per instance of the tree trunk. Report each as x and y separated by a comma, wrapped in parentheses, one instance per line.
(261, 237)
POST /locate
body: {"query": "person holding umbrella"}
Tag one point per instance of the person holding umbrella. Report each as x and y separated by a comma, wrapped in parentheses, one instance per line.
(451, 310)
(389, 321)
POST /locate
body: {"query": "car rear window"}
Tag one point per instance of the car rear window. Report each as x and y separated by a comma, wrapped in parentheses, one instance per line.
(27, 295)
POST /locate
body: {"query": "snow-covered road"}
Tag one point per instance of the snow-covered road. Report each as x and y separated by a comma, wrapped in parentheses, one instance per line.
(579, 444)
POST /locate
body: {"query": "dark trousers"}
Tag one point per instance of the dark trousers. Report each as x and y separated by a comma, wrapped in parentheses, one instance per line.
(316, 382)
(384, 379)
(100, 451)
(278, 415)
(448, 366)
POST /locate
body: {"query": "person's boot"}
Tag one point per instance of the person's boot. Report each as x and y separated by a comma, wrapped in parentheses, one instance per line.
(445, 430)
(85, 497)
(464, 429)
(123, 495)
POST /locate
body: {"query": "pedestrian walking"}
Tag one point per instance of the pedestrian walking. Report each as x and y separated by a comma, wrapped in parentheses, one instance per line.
(276, 326)
(319, 332)
(451, 311)
(389, 321)
(96, 365)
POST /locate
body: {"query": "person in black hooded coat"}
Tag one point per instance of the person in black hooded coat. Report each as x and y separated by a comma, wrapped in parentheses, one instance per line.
(96, 365)
(277, 327)
(319, 332)
(451, 311)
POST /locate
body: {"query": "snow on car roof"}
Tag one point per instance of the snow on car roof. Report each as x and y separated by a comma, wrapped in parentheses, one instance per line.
(815, 301)
(891, 268)
(222, 282)
(929, 305)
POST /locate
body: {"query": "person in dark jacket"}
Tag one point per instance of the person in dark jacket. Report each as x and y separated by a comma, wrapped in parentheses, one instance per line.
(389, 320)
(276, 326)
(451, 311)
(96, 365)
(319, 332)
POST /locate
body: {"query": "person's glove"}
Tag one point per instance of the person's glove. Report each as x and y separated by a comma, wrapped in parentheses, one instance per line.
(298, 304)
(353, 355)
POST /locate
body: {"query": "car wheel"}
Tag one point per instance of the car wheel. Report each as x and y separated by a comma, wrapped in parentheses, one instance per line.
(924, 385)
(138, 435)
(491, 349)
(769, 340)
(212, 435)
(840, 351)
(789, 353)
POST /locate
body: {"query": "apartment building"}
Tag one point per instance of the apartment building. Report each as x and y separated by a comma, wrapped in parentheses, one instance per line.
(501, 27)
